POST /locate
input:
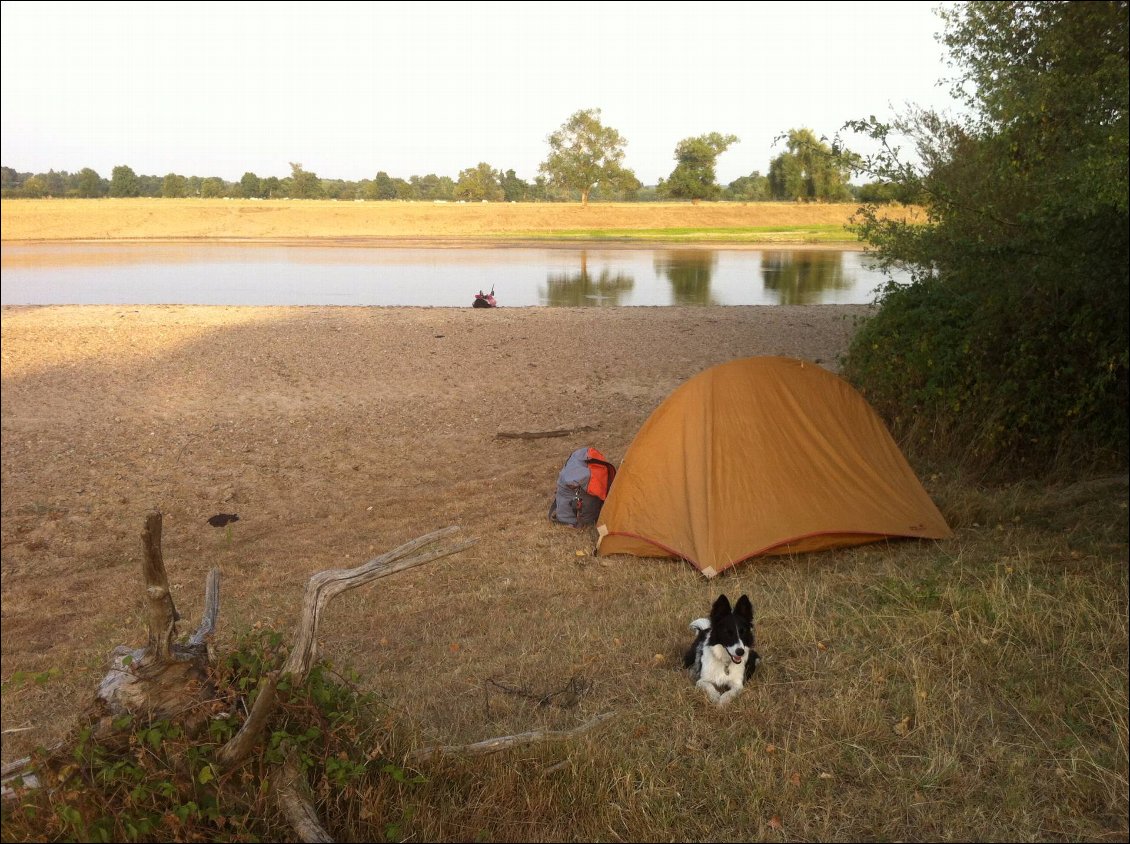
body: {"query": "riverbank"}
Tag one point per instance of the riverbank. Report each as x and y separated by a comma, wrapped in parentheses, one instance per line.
(410, 223)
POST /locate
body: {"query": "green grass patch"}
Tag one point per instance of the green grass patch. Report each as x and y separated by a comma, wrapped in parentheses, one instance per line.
(822, 233)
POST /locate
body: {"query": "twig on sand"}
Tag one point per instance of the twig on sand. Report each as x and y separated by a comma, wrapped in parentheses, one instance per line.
(534, 435)
(494, 745)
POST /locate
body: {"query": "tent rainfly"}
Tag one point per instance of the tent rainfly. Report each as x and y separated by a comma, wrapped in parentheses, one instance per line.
(762, 456)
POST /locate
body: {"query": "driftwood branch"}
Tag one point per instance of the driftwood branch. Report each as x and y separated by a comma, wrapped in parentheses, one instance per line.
(165, 679)
(326, 585)
(535, 435)
(240, 745)
(163, 614)
(320, 590)
(494, 745)
(293, 797)
(211, 610)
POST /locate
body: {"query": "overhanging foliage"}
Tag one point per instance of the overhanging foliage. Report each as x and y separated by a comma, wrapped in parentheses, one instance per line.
(1011, 344)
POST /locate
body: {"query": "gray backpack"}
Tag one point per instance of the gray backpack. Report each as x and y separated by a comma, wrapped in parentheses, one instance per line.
(582, 487)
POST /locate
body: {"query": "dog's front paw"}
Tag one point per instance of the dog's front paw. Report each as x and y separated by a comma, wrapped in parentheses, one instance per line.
(709, 689)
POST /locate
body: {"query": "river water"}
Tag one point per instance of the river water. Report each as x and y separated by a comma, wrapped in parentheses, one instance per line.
(243, 274)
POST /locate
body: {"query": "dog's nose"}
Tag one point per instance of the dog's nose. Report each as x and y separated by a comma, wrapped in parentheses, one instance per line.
(740, 651)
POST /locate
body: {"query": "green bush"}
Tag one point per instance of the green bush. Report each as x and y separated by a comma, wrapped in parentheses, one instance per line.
(1014, 379)
(1009, 350)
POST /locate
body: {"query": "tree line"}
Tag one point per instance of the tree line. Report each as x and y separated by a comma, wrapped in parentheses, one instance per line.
(585, 162)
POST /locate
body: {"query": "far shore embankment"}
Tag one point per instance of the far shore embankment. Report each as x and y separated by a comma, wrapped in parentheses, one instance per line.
(433, 225)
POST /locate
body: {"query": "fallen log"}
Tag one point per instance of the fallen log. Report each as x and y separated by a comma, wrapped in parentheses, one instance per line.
(534, 435)
(292, 794)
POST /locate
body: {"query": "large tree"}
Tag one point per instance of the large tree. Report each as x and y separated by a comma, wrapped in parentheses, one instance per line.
(585, 153)
(34, 187)
(809, 169)
(432, 187)
(1012, 342)
(513, 188)
(123, 181)
(149, 185)
(751, 188)
(693, 176)
(55, 183)
(90, 184)
(213, 187)
(270, 187)
(479, 183)
(9, 179)
(249, 186)
(173, 186)
(303, 183)
(382, 187)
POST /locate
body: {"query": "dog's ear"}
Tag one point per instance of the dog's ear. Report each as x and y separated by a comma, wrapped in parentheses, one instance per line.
(744, 608)
(721, 608)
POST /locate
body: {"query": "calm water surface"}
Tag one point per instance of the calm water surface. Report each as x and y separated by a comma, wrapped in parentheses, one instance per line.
(237, 274)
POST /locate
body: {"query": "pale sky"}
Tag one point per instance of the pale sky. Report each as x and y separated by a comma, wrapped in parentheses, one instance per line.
(349, 89)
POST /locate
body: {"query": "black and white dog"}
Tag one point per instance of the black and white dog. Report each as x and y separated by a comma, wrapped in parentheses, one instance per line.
(722, 657)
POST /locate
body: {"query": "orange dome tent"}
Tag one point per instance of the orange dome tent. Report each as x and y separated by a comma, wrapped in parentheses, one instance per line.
(762, 456)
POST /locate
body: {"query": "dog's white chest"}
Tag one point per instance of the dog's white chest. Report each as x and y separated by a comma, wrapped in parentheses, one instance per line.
(719, 669)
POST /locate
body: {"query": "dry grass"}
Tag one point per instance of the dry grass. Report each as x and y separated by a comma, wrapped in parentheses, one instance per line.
(971, 690)
(99, 219)
(974, 690)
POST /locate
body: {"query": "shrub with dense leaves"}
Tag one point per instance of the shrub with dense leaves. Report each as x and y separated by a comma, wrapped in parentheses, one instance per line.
(1010, 346)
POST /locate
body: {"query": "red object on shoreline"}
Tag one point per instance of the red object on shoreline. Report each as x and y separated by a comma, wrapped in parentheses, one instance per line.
(484, 300)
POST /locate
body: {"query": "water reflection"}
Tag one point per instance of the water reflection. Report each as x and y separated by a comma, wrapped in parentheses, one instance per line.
(689, 271)
(803, 277)
(245, 274)
(583, 288)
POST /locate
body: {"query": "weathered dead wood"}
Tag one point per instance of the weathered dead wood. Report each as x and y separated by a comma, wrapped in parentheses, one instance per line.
(21, 770)
(534, 435)
(240, 746)
(163, 679)
(163, 614)
(211, 611)
(292, 795)
(141, 686)
(494, 745)
(320, 590)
